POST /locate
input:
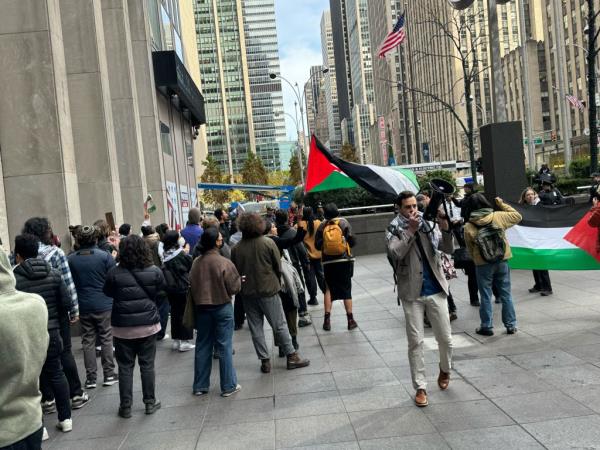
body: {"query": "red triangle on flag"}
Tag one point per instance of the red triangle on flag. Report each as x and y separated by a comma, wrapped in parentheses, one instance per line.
(318, 167)
(584, 236)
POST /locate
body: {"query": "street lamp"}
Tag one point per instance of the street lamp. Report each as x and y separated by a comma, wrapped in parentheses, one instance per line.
(300, 97)
(591, 54)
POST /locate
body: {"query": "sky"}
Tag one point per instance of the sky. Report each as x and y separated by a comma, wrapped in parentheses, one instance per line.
(299, 34)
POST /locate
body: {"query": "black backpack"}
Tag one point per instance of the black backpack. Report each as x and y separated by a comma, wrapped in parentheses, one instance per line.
(177, 283)
(490, 242)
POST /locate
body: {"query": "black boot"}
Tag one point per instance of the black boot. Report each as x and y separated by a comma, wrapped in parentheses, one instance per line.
(295, 343)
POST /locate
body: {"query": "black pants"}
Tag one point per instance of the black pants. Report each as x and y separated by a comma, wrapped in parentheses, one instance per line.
(316, 271)
(31, 442)
(162, 303)
(53, 375)
(542, 280)
(178, 331)
(126, 351)
(69, 366)
(451, 304)
(472, 283)
(239, 315)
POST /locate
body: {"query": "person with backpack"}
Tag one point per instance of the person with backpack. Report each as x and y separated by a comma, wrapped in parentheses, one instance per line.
(487, 245)
(176, 269)
(315, 275)
(334, 239)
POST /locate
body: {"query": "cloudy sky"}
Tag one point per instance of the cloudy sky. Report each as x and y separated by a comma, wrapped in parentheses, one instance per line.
(299, 33)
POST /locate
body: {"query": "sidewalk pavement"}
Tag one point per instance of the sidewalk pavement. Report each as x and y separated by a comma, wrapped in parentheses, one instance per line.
(537, 389)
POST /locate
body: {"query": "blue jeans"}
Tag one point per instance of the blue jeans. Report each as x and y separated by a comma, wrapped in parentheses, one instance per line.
(498, 276)
(214, 329)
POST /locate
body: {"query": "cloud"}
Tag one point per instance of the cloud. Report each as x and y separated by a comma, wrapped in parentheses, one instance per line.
(299, 36)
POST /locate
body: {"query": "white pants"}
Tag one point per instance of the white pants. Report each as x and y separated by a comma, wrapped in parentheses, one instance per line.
(436, 307)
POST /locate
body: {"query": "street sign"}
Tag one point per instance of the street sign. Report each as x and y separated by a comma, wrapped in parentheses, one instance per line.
(536, 141)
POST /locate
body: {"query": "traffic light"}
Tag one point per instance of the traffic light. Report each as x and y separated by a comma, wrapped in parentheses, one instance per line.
(479, 165)
(553, 136)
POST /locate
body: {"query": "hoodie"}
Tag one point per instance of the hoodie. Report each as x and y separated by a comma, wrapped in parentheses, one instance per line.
(57, 259)
(505, 218)
(24, 337)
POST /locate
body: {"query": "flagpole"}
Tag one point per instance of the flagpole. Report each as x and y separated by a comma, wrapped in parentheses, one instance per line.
(404, 106)
(413, 95)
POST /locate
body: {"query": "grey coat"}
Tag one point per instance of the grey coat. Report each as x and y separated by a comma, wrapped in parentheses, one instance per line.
(406, 260)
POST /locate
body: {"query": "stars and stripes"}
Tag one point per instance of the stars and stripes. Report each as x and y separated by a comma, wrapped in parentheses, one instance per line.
(394, 38)
(575, 102)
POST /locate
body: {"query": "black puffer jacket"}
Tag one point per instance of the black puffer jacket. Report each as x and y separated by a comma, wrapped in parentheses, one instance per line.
(134, 295)
(36, 276)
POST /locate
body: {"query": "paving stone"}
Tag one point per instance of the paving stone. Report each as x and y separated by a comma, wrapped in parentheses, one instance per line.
(239, 411)
(106, 443)
(502, 385)
(308, 404)
(420, 442)
(576, 432)
(466, 415)
(383, 324)
(588, 396)
(238, 436)
(376, 397)
(386, 334)
(313, 430)
(341, 338)
(287, 385)
(458, 391)
(390, 422)
(353, 445)
(540, 406)
(361, 378)
(545, 359)
(497, 438)
(165, 440)
(485, 366)
(356, 362)
(589, 353)
(582, 375)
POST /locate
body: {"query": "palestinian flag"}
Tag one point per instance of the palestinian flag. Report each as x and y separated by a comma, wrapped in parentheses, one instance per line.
(326, 171)
(553, 238)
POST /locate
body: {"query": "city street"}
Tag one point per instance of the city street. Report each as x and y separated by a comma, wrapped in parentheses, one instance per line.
(537, 389)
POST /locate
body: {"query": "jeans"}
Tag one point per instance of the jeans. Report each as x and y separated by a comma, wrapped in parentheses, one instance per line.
(96, 325)
(125, 351)
(437, 311)
(53, 375)
(270, 307)
(162, 303)
(495, 275)
(68, 364)
(542, 280)
(215, 329)
(31, 442)
(178, 331)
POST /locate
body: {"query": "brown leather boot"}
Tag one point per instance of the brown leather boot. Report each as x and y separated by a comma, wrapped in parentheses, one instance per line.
(443, 380)
(265, 365)
(295, 362)
(421, 398)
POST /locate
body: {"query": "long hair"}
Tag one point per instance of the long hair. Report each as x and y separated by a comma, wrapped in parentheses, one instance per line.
(134, 253)
(309, 218)
(170, 239)
(522, 200)
(103, 228)
(478, 201)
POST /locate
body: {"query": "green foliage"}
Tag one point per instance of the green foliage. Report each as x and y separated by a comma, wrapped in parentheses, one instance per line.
(348, 153)
(580, 168)
(254, 171)
(530, 176)
(295, 175)
(278, 177)
(212, 174)
(568, 186)
(343, 198)
(439, 174)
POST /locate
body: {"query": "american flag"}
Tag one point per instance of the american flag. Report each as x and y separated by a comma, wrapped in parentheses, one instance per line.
(575, 102)
(395, 38)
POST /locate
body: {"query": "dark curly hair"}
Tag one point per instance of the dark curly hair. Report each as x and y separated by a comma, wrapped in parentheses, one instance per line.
(40, 227)
(134, 253)
(103, 228)
(251, 225)
(26, 246)
(170, 239)
(161, 229)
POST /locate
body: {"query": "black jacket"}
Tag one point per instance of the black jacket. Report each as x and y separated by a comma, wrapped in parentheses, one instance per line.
(552, 197)
(297, 251)
(36, 276)
(134, 295)
(177, 273)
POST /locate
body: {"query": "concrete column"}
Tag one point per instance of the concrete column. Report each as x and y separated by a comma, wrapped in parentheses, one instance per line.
(125, 109)
(148, 108)
(36, 140)
(89, 98)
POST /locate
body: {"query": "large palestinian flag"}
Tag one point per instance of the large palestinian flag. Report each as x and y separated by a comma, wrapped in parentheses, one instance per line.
(553, 238)
(326, 171)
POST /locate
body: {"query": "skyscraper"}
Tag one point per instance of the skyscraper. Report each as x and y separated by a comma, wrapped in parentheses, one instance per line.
(262, 54)
(312, 89)
(331, 93)
(341, 58)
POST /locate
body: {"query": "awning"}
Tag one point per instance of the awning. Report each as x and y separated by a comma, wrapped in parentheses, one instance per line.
(171, 77)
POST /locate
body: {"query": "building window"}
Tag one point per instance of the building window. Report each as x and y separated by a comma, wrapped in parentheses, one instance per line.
(165, 139)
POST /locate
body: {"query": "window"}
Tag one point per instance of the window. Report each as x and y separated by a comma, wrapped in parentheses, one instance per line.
(165, 139)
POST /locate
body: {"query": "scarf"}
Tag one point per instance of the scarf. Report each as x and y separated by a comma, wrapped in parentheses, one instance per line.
(401, 223)
(171, 253)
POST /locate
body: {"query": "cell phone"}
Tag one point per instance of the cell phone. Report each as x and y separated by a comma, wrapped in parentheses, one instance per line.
(110, 220)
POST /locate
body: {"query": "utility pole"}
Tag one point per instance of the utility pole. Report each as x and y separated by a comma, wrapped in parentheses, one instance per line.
(498, 97)
(591, 61)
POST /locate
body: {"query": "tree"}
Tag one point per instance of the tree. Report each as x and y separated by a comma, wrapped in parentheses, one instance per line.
(295, 175)
(278, 177)
(254, 171)
(212, 174)
(348, 153)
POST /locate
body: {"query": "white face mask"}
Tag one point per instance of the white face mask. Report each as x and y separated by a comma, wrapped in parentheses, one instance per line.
(181, 242)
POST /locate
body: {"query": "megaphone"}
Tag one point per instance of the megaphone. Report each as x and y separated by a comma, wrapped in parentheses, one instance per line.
(439, 190)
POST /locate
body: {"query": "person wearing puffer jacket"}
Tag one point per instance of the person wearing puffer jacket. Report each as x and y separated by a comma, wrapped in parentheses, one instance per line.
(134, 285)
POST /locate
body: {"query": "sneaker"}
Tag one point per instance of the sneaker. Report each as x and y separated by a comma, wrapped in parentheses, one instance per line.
(497, 301)
(421, 398)
(304, 321)
(65, 426)
(45, 435)
(200, 393)
(352, 324)
(49, 407)
(175, 345)
(534, 290)
(545, 293)
(237, 388)
(485, 331)
(475, 303)
(265, 365)
(110, 380)
(151, 408)
(186, 346)
(90, 384)
(294, 361)
(313, 301)
(79, 401)
(125, 412)
(511, 330)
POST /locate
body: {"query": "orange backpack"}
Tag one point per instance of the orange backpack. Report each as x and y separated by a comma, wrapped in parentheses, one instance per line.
(334, 241)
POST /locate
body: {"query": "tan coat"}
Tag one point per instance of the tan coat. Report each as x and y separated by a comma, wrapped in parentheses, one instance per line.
(309, 241)
(506, 218)
(408, 266)
(213, 279)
